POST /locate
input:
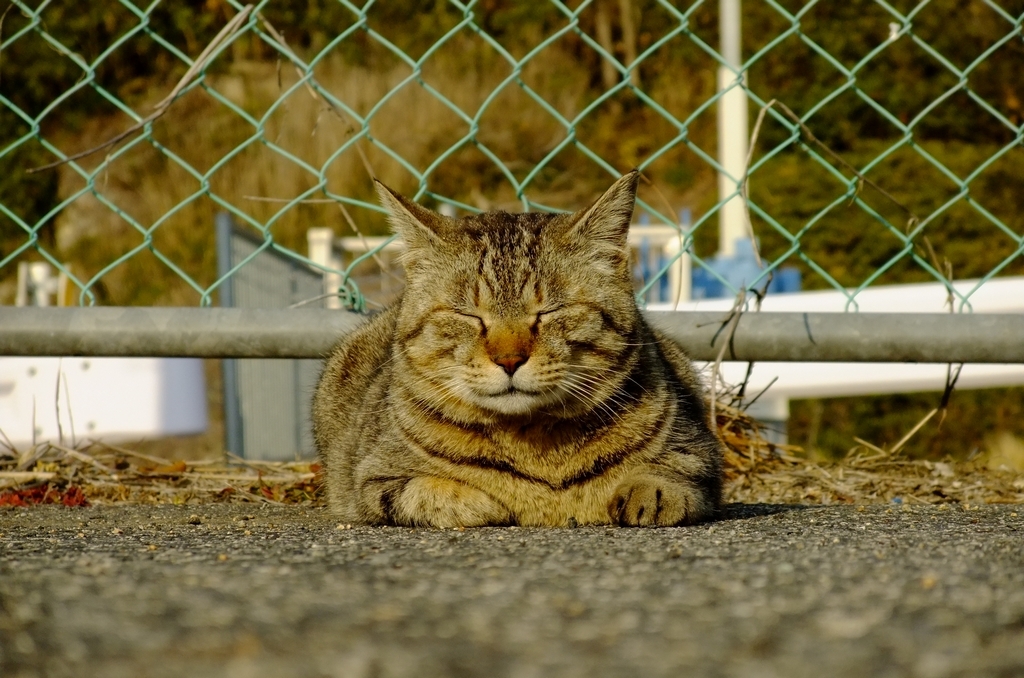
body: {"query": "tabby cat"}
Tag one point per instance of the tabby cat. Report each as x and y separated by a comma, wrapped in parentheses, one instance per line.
(515, 382)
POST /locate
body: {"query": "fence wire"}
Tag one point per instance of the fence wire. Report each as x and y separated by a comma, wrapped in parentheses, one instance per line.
(888, 136)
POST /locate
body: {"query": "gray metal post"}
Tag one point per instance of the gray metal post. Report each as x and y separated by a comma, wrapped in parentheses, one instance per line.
(234, 441)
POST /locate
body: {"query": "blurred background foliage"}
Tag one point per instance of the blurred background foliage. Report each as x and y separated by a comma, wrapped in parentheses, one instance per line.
(149, 185)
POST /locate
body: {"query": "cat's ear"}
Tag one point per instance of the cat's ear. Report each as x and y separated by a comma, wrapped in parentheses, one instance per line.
(606, 222)
(416, 225)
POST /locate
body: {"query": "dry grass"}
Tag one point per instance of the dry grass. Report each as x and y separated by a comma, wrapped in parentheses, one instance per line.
(106, 474)
(756, 471)
(147, 199)
(873, 480)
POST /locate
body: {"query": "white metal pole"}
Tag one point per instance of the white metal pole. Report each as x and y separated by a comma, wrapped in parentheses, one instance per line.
(320, 242)
(732, 131)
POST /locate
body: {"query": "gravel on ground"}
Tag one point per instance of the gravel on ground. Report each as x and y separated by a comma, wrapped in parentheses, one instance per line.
(769, 590)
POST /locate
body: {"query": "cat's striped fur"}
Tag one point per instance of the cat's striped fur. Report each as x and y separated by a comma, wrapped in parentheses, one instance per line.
(515, 382)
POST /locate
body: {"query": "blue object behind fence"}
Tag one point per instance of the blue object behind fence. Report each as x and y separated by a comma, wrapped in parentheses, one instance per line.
(739, 271)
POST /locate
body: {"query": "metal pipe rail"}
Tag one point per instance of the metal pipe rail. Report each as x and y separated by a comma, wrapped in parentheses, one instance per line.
(310, 333)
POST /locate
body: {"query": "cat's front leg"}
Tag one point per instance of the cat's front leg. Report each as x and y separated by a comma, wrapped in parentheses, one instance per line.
(654, 498)
(430, 501)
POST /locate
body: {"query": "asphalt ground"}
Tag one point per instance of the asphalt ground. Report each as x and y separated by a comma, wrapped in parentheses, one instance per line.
(242, 590)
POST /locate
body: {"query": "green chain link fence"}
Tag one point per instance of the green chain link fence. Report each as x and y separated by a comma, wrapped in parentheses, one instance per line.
(887, 145)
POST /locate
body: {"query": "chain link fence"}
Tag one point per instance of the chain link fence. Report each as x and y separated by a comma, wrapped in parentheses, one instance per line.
(885, 138)
(844, 149)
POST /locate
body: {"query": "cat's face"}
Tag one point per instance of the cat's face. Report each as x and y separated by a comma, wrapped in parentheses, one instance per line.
(511, 314)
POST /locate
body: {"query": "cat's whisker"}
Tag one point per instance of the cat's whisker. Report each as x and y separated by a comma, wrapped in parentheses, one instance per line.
(597, 405)
(578, 388)
(449, 393)
(620, 373)
(614, 397)
(416, 383)
(425, 389)
(396, 353)
(594, 380)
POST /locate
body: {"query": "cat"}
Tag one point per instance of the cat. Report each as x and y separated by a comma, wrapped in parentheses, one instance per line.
(515, 382)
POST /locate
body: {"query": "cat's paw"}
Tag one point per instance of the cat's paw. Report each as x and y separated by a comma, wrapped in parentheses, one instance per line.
(430, 501)
(651, 500)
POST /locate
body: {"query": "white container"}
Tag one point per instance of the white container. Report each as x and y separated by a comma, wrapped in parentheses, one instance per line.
(112, 399)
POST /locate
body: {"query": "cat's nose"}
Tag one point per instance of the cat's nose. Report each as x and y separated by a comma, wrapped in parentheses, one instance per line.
(510, 362)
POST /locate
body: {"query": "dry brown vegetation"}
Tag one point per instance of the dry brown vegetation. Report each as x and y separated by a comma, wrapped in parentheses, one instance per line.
(756, 471)
(149, 194)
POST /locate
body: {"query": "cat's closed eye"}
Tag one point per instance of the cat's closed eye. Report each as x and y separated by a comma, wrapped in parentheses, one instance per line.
(477, 320)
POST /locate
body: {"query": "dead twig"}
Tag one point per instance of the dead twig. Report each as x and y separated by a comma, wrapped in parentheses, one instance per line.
(305, 201)
(355, 229)
(132, 453)
(83, 457)
(874, 448)
(30, 457)
(759, 393)
(730, 322)
(910, 434)
(7, 444)
(806, 131)
(345, 214)
(675, 222)
(25, 476)
(198, 65)
(952, 375)
(309, 79)
(3, 16)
